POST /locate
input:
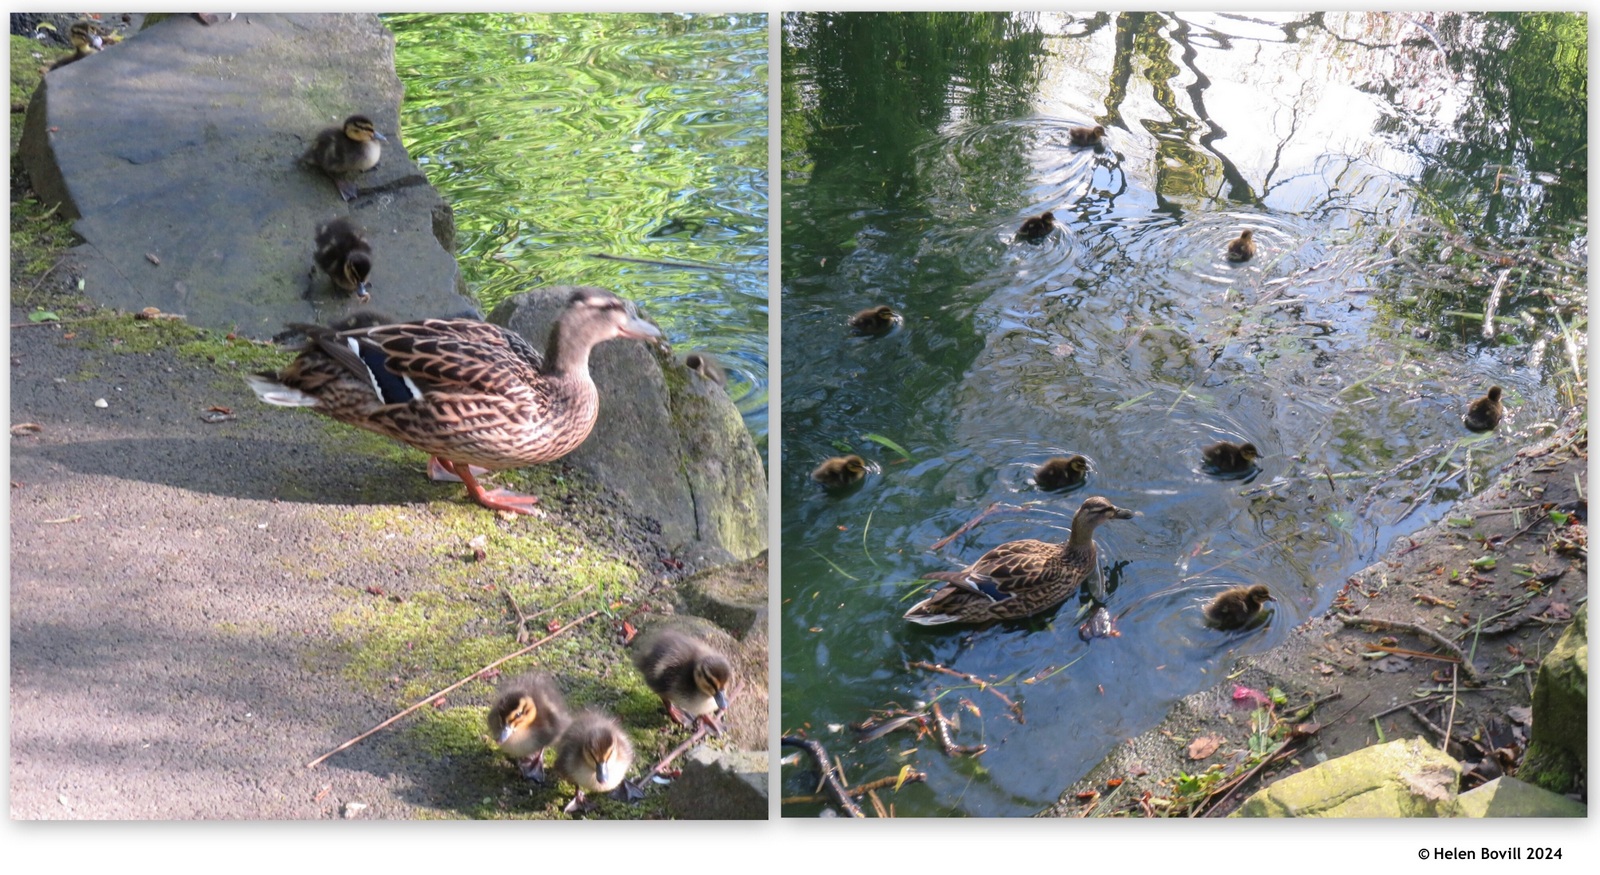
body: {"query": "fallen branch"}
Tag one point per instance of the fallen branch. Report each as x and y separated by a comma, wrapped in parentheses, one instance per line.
(969, 525)
(941, 731)
(463, 682)
(1401, 651)
(1421, 631)
(699, 733)
(830, 779)
(912, 777)
(982, 684)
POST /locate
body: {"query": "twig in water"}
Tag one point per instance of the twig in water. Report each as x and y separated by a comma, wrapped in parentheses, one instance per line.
(830, 779)
(912, 777)
(996, 507)
(941, 731)
(982, 684)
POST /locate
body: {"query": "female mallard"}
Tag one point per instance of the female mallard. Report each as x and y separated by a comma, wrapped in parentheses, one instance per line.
(1020, 578)
(1061, 472)
(1086, 136)
(468, 392)
(1243, 248)
(1484, 413)
(1227, 457)
(345, 256)
(1237, 607)
(528, 716)
(86, 40)
(689, 675)
(594, 754)
(840, 471)
(350, 148)
(875, 320)
(1037, 228)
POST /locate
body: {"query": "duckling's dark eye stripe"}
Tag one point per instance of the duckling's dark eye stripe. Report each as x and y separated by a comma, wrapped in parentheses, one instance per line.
(390, 388)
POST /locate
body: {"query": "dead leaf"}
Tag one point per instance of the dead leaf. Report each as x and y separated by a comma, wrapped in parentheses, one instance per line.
(1204, 746)
(1520, 714)
(1558, 611)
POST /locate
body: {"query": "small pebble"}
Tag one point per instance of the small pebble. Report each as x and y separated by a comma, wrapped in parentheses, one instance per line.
(351, 809)
(101, 403)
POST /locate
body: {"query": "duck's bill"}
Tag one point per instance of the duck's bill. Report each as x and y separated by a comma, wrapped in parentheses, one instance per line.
(639, 329)
(721, 699)
(378, 135)
(606, 773)
(1124, 514)
(505, 734)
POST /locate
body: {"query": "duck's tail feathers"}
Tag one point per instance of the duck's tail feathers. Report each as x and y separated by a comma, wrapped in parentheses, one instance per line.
(268, 389)
(923, 615)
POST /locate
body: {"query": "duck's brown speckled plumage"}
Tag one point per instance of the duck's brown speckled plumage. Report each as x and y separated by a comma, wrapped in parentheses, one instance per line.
(1019, 578)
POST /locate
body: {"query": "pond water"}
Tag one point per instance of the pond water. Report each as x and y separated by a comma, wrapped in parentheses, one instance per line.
(556, 137)
(1417, 187)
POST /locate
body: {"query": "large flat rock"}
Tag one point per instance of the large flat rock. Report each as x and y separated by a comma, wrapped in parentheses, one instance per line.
(177, 151)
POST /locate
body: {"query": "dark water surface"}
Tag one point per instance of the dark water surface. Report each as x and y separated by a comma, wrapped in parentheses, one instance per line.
(558, 136)
(1417, 185)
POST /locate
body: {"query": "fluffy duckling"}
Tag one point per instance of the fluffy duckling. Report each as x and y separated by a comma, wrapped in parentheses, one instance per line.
(875, 320)
(527, 717)
(594, 754)
(345, 256)
(840, 471)
(1038, 227)
(1227, 457)
(1237, 607)
(689, 675)
(86, 40)
(703, 364)
(350, 148)
(1484, 413)
(1087, 136)
(1243, 248)
(1060, 472)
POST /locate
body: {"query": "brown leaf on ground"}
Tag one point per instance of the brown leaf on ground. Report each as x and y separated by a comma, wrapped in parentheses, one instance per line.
(1558, 611)
(1204, 746)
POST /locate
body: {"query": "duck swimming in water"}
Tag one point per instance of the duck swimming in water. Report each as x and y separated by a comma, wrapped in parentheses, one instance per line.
(1484, 413)
(1061, 472)
(1243, 248)
(1227, 457)
(1237, 607)
(840, 471)
(875, 320)
(1037, 228)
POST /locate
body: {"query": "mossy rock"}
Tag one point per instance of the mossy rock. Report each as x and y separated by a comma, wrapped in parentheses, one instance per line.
(1404, 778)
(1558, 749)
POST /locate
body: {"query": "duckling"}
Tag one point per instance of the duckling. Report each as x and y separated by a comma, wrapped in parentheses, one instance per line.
(86, 40)
(1226, 457)
(1087, 136)
(840, 471)
(703, 364)
(345, 256)
(527, 717)
(875, 320)
(1037, 228)
(1237, 607)
(350, 148)
(1061, 472)
(594, 754)
(1243, 248)
(1484, 413)
(690, 676)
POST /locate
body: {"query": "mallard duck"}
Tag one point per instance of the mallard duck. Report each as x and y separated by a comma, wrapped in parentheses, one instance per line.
(1243, 248)
(86, 40)
(1227, 457)
(350, 148)
(703, 364)
(875, 320)
(1060, 472)
(468, 392)
(1237, 607)
(1086, 136)
(594, 754)
(1484, 413)
(689, 675)
(840, 471)
(1037, 228)
(345, 256)
(528, 716)
(1020, 578)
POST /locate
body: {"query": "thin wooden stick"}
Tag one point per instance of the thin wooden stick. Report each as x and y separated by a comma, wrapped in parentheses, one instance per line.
(463, 682)
(700, 732)
(912, 777)
(969, 525)
(1422, 631)
(830, 779)
(982, 684)
(941, 731)
(1401, 651)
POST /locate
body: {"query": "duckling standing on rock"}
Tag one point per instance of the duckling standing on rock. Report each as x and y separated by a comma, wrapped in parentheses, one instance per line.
(840, 471)
(1242, 248)
(1086, 136)
(1226, 457)
(1019, 578)
(690, 676)
(350, 148)
(1037, 228)
(345, 256)
(528, 716)
(1237, 607)
(468, 392)
(703, 364)
(1484, 413)
(1061, 472)
(594, 754)
(875, 320)
(86, 40)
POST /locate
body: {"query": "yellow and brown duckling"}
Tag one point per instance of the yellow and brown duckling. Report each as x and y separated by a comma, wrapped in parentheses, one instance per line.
(1242, 248)
(1038, 227)
(345, 256)
(594, 754)
(1019, 578)
(1086, 136)
(1227, 457)
(1237, 607)
(353, 147)
(840, 471)
(875, 320)
(528, 715)
(706, 366)
(1062, 472)
(692, 678)
(468, 392)
(86, 40)
(1483, 414)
